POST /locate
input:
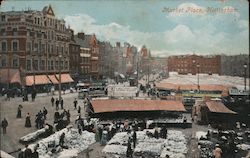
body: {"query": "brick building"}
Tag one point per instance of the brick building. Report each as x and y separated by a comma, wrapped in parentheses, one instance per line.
(184, 64)
(144, 60)
(233, 65)
(89, 59)
(74, 59)
(31, 41)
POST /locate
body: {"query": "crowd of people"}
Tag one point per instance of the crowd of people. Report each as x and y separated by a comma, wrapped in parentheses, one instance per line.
(40, 118)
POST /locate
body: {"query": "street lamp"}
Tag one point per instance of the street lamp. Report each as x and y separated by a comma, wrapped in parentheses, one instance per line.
(193, 70)
(245, 76)
(60, 79)
(198, 67)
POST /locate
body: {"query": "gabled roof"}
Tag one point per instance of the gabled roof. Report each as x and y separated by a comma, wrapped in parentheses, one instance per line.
(48, 10)
(101, 106)
(218, 107)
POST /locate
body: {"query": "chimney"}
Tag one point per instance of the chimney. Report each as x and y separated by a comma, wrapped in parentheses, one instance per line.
(81, 35)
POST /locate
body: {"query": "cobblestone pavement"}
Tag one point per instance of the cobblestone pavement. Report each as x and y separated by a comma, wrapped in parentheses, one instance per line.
(16, 129)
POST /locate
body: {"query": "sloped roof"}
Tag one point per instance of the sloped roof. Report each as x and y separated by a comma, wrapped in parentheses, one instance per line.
(101, 106)
(83, 43)
(218, 107)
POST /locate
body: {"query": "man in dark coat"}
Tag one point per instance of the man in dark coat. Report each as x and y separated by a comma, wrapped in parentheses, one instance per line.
(27, 121)
(19, 111)
(134, 137)
(45, 112)
(57, 103)
(61, 103)
(75, 103)
(79, 110)
(27, 152)
(61, 140)
(4, 125)
(129, 149)
(52, 101)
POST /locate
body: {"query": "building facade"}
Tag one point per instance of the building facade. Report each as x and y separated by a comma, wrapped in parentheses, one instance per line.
(74, 59)
(184, 64)
(234, 65)
(35, 42)
(89, 57)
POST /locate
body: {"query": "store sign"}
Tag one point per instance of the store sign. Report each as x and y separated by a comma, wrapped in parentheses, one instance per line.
(122, 91)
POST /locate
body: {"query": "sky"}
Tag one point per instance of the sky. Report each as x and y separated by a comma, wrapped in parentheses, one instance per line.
(166, 27)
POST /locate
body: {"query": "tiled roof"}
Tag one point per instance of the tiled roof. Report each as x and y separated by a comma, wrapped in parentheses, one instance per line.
(101, 106)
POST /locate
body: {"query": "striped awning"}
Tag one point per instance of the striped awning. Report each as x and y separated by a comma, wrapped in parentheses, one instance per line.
(37, 80)
(10, 76)
(65, 78)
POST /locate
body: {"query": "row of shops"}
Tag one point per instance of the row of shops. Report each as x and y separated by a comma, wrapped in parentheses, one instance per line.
(12, 78)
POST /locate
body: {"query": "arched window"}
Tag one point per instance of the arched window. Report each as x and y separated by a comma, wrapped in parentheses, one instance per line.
(15, 62)
(15, 45)
(3, 61)
(4, 47)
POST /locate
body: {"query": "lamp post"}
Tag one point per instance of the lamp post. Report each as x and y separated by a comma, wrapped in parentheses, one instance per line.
(33, 68)
(60, 80)
(198, 79)
(245, 76)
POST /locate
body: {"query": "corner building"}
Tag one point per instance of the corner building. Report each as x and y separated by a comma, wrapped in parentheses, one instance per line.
(36, 43)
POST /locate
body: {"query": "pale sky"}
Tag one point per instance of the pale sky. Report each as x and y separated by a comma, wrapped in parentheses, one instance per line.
(183, 27)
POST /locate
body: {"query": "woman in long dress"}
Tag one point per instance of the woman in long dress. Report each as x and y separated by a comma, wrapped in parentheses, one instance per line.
(27, 121)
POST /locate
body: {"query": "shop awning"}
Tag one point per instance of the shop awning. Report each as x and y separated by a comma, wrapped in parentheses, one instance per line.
(218, 107)
(53, 79)
(10, 76)
(65, 78)
(39, 80)
(101, 106)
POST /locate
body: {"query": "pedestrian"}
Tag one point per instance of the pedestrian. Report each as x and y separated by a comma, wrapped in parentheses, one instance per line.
(19, 111)
(134, 137)
(27, 152)
(164, 132)
(52, 101)
(217, 151)
(4, 125)
(57, 103)
(79, 110)
(61, 103)
(129, 151)
(56, 116)
(45, 112)
(27, 120)
(33, 95)
(68, 116)
(61, 140)
(156, 133)
(104, 137)
(75, 103)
